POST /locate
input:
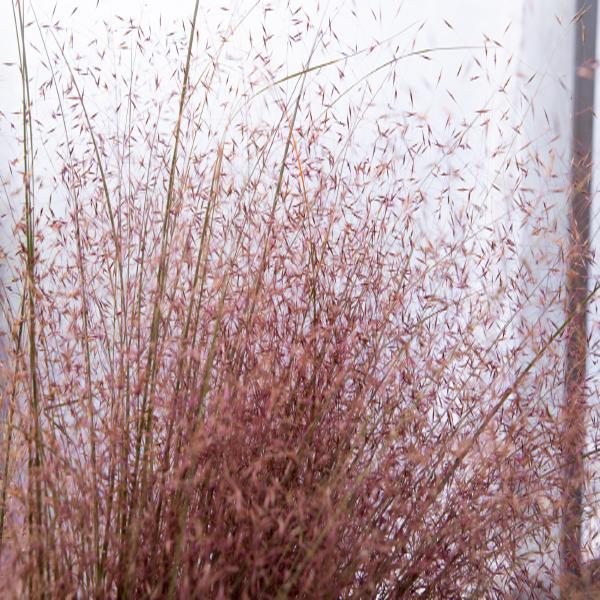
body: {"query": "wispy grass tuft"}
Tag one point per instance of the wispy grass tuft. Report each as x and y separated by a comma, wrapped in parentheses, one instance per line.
(271, 344)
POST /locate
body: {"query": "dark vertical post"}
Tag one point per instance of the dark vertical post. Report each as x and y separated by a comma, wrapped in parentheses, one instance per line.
(574, 409)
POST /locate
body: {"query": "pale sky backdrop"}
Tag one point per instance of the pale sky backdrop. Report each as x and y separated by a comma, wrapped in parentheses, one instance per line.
(474, 52)
(354, 25)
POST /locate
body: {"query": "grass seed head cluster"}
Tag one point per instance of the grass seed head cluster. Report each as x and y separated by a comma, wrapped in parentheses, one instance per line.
(263, 339)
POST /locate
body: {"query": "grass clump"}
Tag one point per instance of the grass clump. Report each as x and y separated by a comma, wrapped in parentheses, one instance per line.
(238, 364)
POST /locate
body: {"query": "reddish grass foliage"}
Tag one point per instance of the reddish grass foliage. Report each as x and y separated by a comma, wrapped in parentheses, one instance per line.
(255, 355)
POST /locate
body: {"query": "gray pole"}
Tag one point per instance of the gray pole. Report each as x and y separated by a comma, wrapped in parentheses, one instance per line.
(573, 439)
